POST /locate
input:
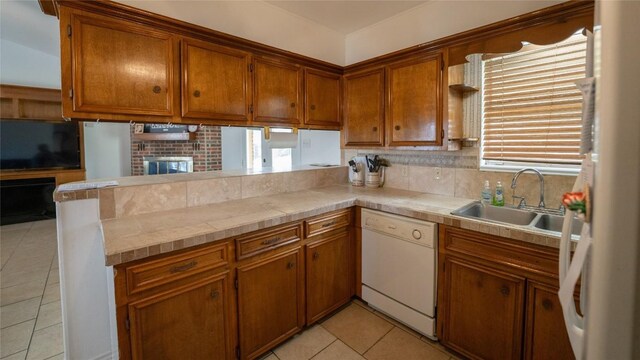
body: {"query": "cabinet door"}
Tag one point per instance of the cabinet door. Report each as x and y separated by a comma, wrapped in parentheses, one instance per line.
(270, 302)
(414, 109)
(215, 82)
(191, 322)
(121, 68)
(322, 98)
(277, 93)
(328, 274)
(483, 311)
(364, 108)
(545, 332)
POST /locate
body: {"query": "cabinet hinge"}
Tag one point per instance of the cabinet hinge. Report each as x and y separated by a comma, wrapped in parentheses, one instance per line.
(236, 283)
(68, 30)
(442, 134)
(250, 67)
(71, 93)
(237, 352)
(251, 108)
(127, 324)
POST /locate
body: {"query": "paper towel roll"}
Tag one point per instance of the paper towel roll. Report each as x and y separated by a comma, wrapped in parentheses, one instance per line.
(279, 140)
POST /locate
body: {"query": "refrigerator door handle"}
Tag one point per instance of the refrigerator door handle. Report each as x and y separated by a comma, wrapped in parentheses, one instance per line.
(569, 271)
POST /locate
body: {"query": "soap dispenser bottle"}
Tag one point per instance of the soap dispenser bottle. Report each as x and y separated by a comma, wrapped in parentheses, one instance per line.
(498, 198)
(485, 196)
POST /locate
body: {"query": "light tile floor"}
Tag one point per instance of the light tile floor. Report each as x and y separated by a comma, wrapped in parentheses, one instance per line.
(30, 313)
(359, 332)
(31, 325)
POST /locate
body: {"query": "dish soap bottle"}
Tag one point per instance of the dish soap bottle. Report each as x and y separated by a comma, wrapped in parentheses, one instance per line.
(485, 196)
(498, 198)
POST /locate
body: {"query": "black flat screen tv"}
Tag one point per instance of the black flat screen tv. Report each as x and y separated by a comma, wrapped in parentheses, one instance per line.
(34, 144)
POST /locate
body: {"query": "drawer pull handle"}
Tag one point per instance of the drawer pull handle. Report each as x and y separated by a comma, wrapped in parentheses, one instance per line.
(196, 93)
(214, 294)
(157, 89)
(504, 290)
(185, 267)
(290, 265)
(271, 241)
(331, 223)
(547, 304)
(316, 255)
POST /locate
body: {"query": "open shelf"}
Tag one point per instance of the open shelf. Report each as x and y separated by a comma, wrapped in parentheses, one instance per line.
(164, 136)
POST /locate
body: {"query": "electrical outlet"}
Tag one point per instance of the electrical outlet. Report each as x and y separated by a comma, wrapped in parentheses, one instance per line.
(404, 170)
(438, 173)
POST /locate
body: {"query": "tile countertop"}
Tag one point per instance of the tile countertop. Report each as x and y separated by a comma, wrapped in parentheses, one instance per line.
(140, 236)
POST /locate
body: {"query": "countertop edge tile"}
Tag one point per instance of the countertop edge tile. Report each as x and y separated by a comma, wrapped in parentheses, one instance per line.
(295, 206)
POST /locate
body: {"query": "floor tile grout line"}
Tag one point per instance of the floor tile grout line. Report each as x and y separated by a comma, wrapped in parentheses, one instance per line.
(21, 322)
(382, 337)
(38, 314)
(321, 350)
(15, 248)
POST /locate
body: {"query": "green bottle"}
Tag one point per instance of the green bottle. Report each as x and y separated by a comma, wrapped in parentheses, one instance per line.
(498, 197)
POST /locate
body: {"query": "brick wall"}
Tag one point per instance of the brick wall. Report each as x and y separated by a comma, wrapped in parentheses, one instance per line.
(206, 150)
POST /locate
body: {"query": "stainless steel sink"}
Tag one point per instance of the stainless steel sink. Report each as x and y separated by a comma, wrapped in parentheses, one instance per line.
(509, 215)
(554, 223)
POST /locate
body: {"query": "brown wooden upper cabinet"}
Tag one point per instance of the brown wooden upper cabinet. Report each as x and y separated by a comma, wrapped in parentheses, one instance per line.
(215, 82)
(117, 67)
(322, 98)
(414, 102)
(277, 92)
(364, 108)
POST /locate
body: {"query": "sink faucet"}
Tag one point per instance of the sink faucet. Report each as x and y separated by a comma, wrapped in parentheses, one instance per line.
(540, 177)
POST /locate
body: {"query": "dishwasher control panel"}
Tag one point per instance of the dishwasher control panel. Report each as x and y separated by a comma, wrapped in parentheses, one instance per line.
(404, 228)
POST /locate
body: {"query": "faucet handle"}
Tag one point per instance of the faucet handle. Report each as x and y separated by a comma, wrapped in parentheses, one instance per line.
(522, 202)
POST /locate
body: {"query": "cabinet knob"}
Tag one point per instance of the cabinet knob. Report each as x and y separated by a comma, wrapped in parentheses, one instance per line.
(196, 93)
(375, 128)
(547, 304)
(290, 265)
(157, 89)
(214, 294)
(397, 127)
(316, 255)
(293, 105)
(313, 107)
(504, 290)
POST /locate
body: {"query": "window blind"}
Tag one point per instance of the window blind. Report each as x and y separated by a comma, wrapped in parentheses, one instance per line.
(532, 108)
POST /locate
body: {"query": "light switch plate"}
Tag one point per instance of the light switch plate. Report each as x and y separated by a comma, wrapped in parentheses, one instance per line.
(404, 170)
(437, 173)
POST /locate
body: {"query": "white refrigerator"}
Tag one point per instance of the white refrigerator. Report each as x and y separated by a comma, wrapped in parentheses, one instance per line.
(610, 328)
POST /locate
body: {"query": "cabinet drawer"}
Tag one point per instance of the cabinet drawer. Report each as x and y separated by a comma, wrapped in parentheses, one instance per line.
(158, 272)
(267, 240)
(328, 222)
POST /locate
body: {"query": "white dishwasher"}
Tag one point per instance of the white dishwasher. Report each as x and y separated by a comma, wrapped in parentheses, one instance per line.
(399, 268)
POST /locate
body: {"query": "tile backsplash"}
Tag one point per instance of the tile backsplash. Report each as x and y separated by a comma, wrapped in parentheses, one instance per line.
(455, 173)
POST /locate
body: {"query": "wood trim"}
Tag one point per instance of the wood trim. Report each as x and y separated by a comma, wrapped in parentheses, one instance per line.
(49, 7)
(30, 93)
(164, 23)
(572, 14)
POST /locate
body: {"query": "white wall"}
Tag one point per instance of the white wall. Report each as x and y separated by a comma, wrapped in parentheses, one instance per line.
(233, 148)
(107, 150)
(314, 147)
(318, 146)
(431, 21)
(257, 21)
(21, 65)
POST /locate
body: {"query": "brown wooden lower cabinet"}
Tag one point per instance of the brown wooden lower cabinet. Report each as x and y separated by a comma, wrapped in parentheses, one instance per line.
(484, 311)
(328, 275)
(270, 302)
(189, 322)
(498, 298)
(545, 333)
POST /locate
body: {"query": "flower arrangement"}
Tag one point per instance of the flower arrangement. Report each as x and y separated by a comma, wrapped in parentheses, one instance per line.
(578, 202)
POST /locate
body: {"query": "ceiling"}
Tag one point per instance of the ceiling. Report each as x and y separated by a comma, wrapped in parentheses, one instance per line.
(345, 16)
(23, 22)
